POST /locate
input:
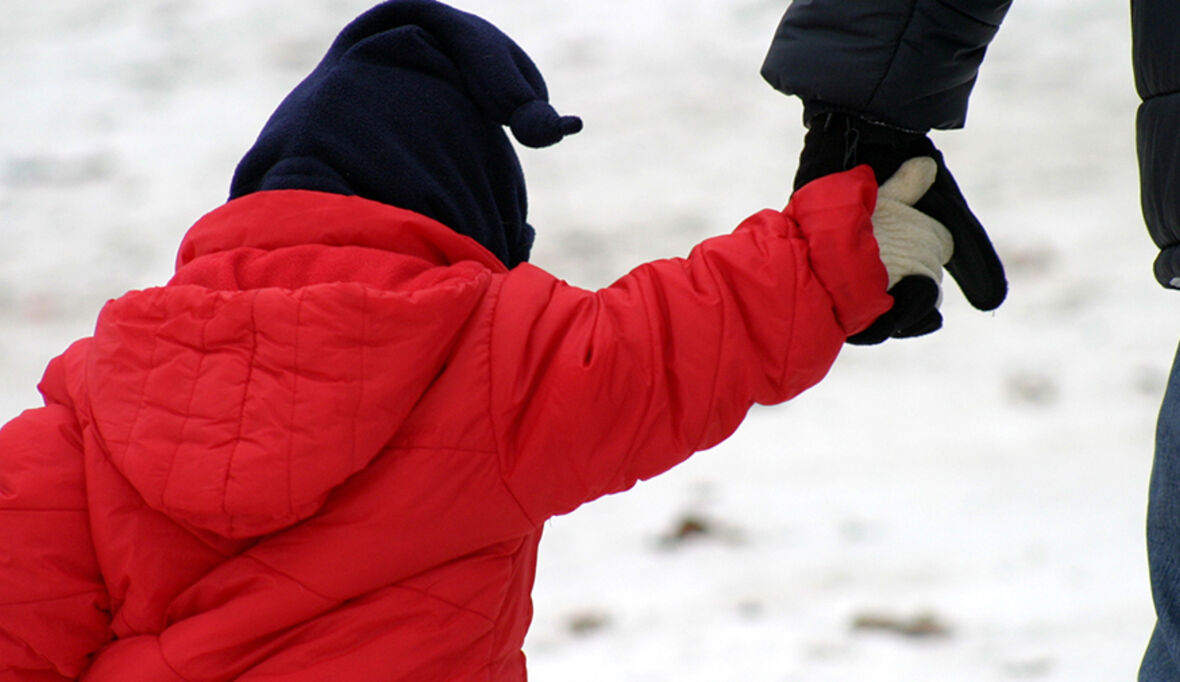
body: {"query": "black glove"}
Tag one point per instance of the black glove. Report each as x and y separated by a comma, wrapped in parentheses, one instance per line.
(836, 142)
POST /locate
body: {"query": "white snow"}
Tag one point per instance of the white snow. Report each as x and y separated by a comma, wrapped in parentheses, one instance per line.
(993, 475)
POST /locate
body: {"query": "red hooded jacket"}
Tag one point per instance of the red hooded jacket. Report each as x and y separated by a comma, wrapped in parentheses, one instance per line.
(325, 450)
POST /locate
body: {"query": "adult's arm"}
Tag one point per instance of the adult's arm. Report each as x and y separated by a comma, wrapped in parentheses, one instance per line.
(907, 63)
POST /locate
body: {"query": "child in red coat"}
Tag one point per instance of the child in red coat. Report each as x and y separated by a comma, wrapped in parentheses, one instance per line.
(325, 450)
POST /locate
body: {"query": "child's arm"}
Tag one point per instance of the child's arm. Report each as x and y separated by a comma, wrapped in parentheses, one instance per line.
(592, 391)
(52, 599)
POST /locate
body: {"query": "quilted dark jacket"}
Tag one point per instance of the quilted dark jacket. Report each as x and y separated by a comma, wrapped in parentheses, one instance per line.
(1156, 31)
(912, 63)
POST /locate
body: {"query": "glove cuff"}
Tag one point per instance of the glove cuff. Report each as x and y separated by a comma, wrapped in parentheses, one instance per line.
(817, 113)
(838, 141)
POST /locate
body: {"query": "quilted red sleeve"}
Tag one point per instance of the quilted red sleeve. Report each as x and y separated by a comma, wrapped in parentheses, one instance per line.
(53, 605)
(592, 391)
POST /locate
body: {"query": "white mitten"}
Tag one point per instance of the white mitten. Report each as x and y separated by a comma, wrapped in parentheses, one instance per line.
(911, 242)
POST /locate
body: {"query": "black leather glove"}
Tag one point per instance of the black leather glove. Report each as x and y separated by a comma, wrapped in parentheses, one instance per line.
(837, 142)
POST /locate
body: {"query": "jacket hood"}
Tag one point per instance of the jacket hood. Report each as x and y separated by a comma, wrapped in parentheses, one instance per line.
(236, 406)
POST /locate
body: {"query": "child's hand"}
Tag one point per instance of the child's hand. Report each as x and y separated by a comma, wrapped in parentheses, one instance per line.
(914, 248)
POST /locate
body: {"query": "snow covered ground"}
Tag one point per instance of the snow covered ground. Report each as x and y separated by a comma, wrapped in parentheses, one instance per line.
(967, 506)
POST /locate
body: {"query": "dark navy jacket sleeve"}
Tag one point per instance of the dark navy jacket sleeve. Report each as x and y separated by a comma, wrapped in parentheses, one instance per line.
(1156, 54)
(906, 63)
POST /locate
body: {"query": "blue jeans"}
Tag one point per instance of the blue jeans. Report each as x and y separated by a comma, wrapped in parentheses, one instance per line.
(1160, 663)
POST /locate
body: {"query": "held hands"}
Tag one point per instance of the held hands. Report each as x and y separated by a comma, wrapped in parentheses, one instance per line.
(914, 248)
(837, 142)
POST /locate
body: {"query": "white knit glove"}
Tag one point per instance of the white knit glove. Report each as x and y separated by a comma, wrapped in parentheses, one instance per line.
(911, 242)
(914, 247)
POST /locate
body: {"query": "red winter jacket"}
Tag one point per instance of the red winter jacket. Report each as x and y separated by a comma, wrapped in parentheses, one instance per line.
(324, 451)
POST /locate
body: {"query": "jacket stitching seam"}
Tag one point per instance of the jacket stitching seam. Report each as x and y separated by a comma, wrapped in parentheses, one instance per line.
(1163, 93)
(160, 648)
(893, 54)
(716, 381)
(341, 603)
(336, 601)
(441, 600)
(360, 396)
(59, 510)
(142, 393)
(188, 413)
(803, 263)
(294, 404)
(653, 360)
(72, 595)
(965, 15)
(404, 447)
(241, 408)
(498, 452)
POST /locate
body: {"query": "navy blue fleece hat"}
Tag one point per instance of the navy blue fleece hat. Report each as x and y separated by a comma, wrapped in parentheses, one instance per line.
(407, 108)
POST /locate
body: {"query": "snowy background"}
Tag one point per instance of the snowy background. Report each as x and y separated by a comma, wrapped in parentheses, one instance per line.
(967, 506)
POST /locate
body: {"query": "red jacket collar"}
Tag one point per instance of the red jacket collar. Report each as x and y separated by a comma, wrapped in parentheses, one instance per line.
(282, 218)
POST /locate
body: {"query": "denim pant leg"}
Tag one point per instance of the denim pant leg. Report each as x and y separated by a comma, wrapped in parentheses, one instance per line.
(1163, 540)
